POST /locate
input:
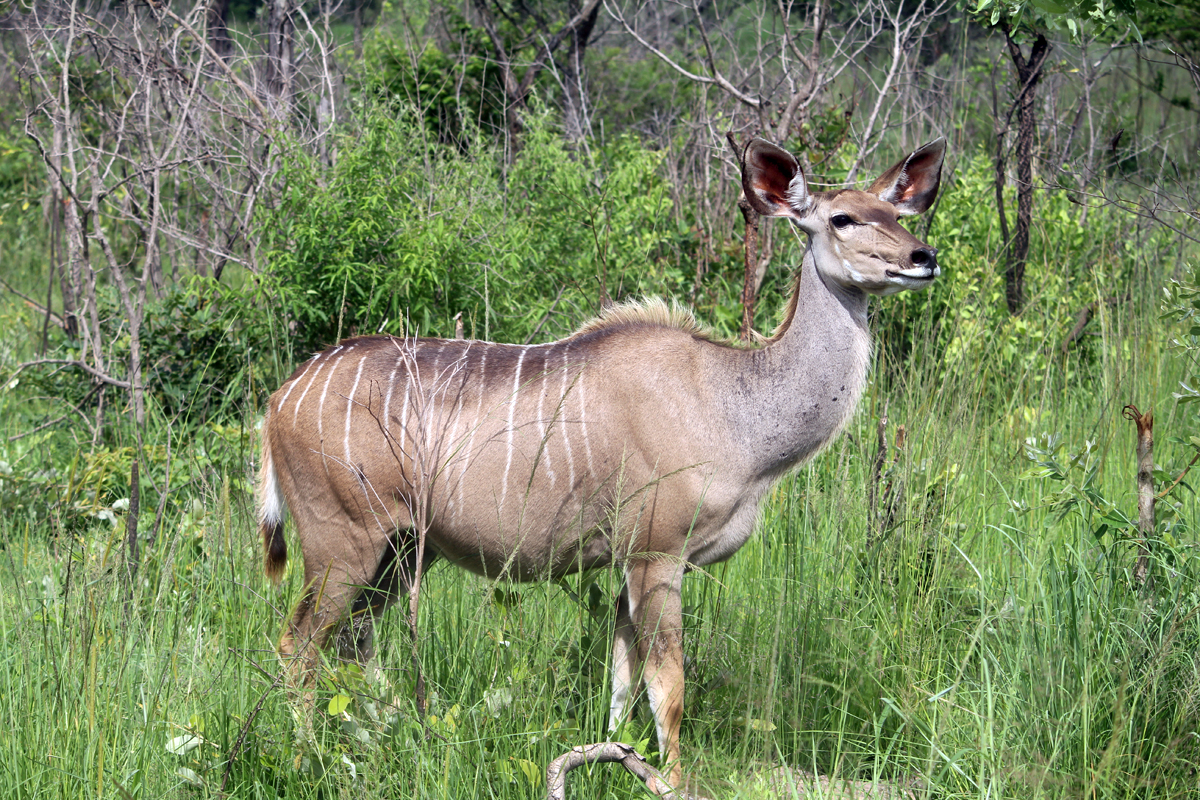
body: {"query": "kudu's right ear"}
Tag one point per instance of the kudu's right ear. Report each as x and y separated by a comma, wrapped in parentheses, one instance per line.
(773, 181)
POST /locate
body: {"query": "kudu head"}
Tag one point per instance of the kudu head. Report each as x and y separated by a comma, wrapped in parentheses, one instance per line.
(854, 236)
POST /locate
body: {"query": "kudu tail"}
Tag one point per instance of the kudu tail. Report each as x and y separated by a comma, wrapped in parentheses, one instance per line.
(271, 509)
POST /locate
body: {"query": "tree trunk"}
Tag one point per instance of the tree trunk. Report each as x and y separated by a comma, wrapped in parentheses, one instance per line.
(1029, 72)
(1001, 164)
(576, 124)
(280, 64)
(1145, 482)
(218, 28)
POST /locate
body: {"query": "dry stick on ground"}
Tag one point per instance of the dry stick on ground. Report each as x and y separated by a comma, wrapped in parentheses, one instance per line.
(605, 752)
(1145, 481)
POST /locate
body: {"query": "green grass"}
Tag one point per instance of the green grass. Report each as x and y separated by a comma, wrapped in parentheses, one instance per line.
(983, 647)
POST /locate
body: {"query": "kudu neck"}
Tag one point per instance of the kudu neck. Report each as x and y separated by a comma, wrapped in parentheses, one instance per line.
(819, 304)
(800, 389)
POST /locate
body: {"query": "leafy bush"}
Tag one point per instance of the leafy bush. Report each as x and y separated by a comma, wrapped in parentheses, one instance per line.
(456, 97)
(402, 235)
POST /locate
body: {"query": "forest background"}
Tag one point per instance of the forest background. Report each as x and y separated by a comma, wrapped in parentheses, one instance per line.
(988, 587)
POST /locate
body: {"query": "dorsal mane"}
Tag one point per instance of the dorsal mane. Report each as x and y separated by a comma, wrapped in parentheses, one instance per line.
(650, 311)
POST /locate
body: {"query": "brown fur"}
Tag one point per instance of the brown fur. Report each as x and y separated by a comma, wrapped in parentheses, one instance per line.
(637, 442)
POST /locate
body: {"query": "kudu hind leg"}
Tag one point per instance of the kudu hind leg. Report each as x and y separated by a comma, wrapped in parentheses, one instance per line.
(319, 615)
(393, 578)
(336, 576)
(656, 611)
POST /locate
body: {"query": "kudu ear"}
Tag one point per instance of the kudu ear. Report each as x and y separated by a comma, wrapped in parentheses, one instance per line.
(912, 184)
(773, 181)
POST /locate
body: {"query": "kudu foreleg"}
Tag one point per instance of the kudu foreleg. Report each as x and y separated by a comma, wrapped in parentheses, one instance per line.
(656, 611)
(626, 665)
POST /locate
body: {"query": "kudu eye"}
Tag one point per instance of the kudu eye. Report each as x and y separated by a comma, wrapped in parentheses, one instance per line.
(841, 221)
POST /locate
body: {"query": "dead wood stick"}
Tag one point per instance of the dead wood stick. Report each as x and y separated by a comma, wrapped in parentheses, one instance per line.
(603, 752)
(749, 287)
(1145, 482)
(1178, 478)
(70, 362)
(36, 306)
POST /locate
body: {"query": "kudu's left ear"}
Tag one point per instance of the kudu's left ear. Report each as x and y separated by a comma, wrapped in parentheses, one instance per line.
(912, 184)
(773, 181)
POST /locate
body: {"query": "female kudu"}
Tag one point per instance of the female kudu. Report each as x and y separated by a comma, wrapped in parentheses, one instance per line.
(637, 442)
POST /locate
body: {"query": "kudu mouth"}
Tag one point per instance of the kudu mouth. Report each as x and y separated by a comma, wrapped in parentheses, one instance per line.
(919, 274)
(924, 266)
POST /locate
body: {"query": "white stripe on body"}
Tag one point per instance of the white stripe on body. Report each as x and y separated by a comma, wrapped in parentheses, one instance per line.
(467, 451)
(350, 408)
(587, 445)
(512, 409)
(543, 442)
(293, 383)
(387, 399)
(408, 382)
(299, 400)
(426, 412)
(321, 403)
(455, 446)
(566, 429)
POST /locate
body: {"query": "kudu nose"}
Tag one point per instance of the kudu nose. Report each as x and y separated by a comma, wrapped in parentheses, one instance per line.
(925, 257)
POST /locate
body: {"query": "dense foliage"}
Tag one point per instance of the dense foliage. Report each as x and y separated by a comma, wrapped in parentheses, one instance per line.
(405, 235)
(956, 612)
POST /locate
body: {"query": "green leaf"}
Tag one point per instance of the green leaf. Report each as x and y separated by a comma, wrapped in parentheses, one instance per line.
(338, 703)
(531, 771)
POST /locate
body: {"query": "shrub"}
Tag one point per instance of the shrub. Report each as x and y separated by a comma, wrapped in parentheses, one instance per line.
(402, 235)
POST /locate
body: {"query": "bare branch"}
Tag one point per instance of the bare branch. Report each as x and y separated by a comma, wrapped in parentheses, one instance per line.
(71, 362)
(716, 78)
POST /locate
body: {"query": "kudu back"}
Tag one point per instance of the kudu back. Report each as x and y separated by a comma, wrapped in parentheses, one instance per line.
(638, 442)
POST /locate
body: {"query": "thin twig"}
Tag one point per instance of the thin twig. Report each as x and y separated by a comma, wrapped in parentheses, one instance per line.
(1179, 478)
(35, 305)
(71, 362)
(237, 744)
(75, 410)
